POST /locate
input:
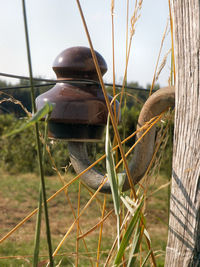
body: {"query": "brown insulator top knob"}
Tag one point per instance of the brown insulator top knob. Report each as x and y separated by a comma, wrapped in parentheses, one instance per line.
(77, 62)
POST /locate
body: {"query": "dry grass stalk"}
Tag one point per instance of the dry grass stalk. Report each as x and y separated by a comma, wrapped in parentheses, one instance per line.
(107, 100)
(113, 55)
(112, 7)
(148, 129)
(162, 65)
(100, 232)
(172, 41)
(11, 99)
(75, 221)
(97, 225)
(158, 59)
(134, 19)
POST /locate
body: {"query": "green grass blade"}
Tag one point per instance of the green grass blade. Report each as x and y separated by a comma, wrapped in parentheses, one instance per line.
(48, 232)
(110, 167)
(38, 230)
(145, 260)
(47, 109)
(40, 199)
(128, 234)
(136, 244)
(113, 179)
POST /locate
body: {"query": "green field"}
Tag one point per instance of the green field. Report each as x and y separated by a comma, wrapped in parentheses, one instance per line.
(18, 198)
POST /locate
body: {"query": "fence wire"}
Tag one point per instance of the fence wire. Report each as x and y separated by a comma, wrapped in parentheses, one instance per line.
(51, 82)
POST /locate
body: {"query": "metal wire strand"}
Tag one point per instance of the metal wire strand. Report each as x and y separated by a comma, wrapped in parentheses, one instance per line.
(69, 81)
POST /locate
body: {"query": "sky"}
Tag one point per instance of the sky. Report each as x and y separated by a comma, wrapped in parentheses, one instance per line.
(55, 25)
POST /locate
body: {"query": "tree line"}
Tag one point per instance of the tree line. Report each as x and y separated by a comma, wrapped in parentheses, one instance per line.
(24, 96)
(18, 152)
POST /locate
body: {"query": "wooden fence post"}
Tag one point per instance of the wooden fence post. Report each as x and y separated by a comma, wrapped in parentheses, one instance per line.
(183, 248)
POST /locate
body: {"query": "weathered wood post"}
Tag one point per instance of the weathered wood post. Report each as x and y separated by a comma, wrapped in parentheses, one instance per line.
(183, 248)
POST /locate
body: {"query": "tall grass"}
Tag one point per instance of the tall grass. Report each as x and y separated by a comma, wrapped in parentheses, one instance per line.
(131, 244)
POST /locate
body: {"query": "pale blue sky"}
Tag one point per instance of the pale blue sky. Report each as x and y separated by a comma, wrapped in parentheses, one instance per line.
(55, 25)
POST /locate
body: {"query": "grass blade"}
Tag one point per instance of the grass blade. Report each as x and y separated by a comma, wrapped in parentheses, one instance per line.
(128, 234)
(48, 232)
(145, 260)
(113, 179)
(130, 207)
(40, 199)
(110, 167)
(47, 109)
(37, 231)
(136, 244)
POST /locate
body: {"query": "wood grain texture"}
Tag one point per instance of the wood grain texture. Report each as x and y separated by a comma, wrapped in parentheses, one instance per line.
(183, 248)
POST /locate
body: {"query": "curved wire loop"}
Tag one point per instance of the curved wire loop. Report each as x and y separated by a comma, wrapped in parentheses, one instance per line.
(158, 102)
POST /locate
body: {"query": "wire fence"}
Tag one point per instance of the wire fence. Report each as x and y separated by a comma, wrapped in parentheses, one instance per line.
(51, 82)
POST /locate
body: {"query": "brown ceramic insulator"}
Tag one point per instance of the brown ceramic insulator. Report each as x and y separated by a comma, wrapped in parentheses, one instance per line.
(80, 113)
(77, 62)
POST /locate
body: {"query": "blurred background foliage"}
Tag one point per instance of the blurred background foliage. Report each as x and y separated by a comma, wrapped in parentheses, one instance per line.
(18, 152)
